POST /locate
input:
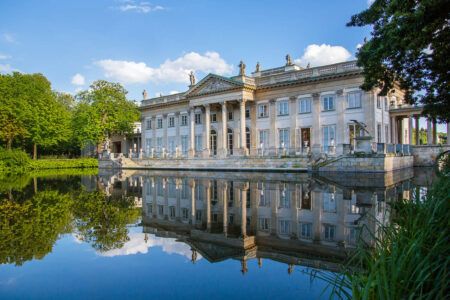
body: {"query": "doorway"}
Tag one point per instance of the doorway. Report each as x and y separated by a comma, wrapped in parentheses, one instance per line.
(354, 130)
(213, 142)
(117, 147)
(306, 138)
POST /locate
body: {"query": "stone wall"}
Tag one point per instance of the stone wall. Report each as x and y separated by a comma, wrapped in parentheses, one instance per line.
(379, 163)
(425, 156)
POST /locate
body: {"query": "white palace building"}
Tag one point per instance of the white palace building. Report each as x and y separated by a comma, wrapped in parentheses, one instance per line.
(287, 110)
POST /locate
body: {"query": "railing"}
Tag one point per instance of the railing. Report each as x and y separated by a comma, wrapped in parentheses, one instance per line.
(393, 149)
(163, 99)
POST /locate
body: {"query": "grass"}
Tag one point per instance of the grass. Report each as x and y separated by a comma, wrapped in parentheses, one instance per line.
(410, 257)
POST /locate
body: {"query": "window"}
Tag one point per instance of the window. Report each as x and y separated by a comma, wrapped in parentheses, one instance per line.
(329, 232)
(198, 143)
(264, 201)
(148, 143)
(304, 105)
(159, 142)
(285, 198)
(184, 120)
(386, 106)
(185, 190)
(284, 227)
(353, 100)
(263, 111)
(247, 113)
(172, 211)
(213, 118)
(284, 137)
(264, 138)
(171, 144)
(230, 116)
(329, 136)
(283, 108)
(185, 213)
(159, 123)
(148, 124)
(198, 118)
(327, 103)
(184, 143)
(160, 210)
(378, 102)
(198, 215)
(329, 203)
(306, 230)
(386, 133)
(263, 224)
(379, 132)
(171, 121)
(159, 188)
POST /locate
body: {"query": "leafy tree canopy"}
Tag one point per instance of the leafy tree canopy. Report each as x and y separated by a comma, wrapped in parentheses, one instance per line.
(410, 45)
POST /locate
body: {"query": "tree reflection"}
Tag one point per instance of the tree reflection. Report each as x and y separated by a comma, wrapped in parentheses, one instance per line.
(29, 229)
(102, 220)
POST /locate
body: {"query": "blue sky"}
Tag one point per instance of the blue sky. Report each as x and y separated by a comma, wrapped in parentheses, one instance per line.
(153, 45)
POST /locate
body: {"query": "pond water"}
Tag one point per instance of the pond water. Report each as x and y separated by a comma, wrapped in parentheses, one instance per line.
(161, 234)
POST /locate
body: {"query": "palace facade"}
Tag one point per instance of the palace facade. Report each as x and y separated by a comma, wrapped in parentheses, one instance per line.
(287, 110)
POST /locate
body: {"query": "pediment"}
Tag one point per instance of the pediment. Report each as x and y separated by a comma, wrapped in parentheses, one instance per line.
(213, 84)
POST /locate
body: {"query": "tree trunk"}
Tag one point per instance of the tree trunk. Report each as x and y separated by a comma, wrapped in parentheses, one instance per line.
(9, 144)
(34, 151)
(35, 185)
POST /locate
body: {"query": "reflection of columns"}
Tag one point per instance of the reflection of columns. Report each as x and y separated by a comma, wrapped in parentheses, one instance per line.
(208, 205)
(416, 119)
(429, 132)
(224, 129)
(192, 184)
(410, 130)
(243, 197)
(192, 134)
(434, 132)
(207, 129)
(154, 204)
(225, 208)
(242, 123)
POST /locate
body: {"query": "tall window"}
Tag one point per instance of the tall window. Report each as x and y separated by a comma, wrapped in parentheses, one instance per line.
(230, 116)
(171, 144)
(171, 121)
(213, 118)
(329, 203)
(304, 105)
(184, 143)
(329, 136)
(283, 134)
(306, 230)
(285, 198)
(329, 232)
(283, 108)
(184, 120)
(198, 143)
(386, 133)
(247, 113)
(284, 227)
(159, 123)
(379, 132)
(328, 103)
(198, 118)
(159, 143)
(264, 138)
(263, 111)
(386, 106)
(148, 124)
(264, 224)
(379, 102)
(148, 143)
(353, 100)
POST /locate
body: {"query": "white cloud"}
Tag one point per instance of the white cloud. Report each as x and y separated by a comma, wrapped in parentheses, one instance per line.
(78, 79)
(139, 7)
(4, 56)
(170, 71)
(9, 38)
(136, 244)
(6, 68)
(319, 55)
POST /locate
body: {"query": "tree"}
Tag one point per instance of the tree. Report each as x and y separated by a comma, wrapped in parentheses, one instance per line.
(101, 111)
(409, 45)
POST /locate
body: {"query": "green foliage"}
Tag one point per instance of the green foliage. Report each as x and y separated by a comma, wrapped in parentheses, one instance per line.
(79, 163)
(103, 110)
(410, 45)
(13, 161)
(101, 220)
(28, 230)
(410, 257)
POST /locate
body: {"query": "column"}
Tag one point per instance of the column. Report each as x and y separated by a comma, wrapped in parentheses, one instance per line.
(207, 130)
(340, 126)
(165, 144)
(177, 134)
(434, 132)
(225, 208)
(223, 151)
(393, 130)
(315, 138)
(429, 132)
(448, 133)
(410, 130)
(208, 205)
(192, 133)
(273, 119)
(192, 185)
(293, 126)
(242, 123)
(416, 119)
(243, 197)
(253, 131)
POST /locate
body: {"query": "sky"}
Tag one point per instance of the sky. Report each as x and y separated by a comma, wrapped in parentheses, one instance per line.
(154, 45)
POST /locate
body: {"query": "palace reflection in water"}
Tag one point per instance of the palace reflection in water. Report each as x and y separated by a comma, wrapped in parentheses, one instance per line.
(297, 219)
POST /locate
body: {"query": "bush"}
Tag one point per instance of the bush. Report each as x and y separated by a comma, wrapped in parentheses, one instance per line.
(41, 164)
(14, 161)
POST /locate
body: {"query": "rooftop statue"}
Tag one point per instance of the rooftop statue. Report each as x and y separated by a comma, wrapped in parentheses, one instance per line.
(192, 78)
(257, 67)
(144, 94)
(242, 68)
(288, 60)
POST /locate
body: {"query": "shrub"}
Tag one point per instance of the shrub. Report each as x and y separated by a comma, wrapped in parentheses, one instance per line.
(13, 160)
